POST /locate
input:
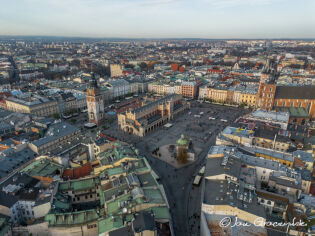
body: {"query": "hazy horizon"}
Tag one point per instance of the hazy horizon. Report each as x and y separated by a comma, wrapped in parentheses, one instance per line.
(159, 19)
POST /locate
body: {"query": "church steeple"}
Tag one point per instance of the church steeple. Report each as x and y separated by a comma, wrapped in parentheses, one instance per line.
(93, 81)
(95, 102)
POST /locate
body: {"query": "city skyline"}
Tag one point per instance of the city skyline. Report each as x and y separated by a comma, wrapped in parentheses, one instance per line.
(239, 19)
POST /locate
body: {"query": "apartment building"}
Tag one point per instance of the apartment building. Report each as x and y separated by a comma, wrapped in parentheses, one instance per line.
(32, 104)
(57, 135)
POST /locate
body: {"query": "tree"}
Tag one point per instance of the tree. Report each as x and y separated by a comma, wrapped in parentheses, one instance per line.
(56, 116)
(143, 66)
(131, 66)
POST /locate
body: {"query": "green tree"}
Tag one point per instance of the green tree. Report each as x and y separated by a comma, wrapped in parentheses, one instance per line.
(143, 66)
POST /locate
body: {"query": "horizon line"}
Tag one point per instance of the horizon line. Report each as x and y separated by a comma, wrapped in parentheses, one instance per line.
(160, 38)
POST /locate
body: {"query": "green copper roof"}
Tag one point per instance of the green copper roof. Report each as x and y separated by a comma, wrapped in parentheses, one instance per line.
(77, 185)
(160, 212)
(72, 218)
(115, 171)
(42, 167)
(153, 195)
(113, 206)
(4, 225)
(109, 224)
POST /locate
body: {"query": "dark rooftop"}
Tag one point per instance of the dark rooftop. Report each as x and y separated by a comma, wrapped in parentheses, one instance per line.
(295, 92)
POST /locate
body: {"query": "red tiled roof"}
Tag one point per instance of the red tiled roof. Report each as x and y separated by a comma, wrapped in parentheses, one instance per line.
(107, 136)
(312, 189)
(215, 71)
(76, 173)
(5, 94)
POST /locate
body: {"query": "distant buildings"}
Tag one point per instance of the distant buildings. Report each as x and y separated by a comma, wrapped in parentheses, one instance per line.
(118, 87)
(32, 104)
(186, 88)
(262, 166)
(116, 70)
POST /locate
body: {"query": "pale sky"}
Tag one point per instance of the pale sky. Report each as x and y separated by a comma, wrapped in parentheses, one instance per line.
(159, 18)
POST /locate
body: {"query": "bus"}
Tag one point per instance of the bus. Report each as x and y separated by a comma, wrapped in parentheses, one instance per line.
(89, 125)
(202, 171)
(197, 180)
(66, 116)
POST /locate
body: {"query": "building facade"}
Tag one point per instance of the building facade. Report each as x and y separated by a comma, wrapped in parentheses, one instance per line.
(115, 70)
(34, 104)
(147, 118)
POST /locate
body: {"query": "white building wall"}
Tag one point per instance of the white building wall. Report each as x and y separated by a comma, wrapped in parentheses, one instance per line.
(41, 210)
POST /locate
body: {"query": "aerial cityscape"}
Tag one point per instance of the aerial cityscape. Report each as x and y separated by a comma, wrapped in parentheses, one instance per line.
(157, 122)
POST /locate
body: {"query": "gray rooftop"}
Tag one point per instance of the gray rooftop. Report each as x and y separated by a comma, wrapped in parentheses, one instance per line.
(56, 131)
(304, 156)
(157, 102)
(223, 165)
(271, 115)
(258, 161)
(222, 192)
(10, 159)
(268, 152)
(30, 100)
(236, 131)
